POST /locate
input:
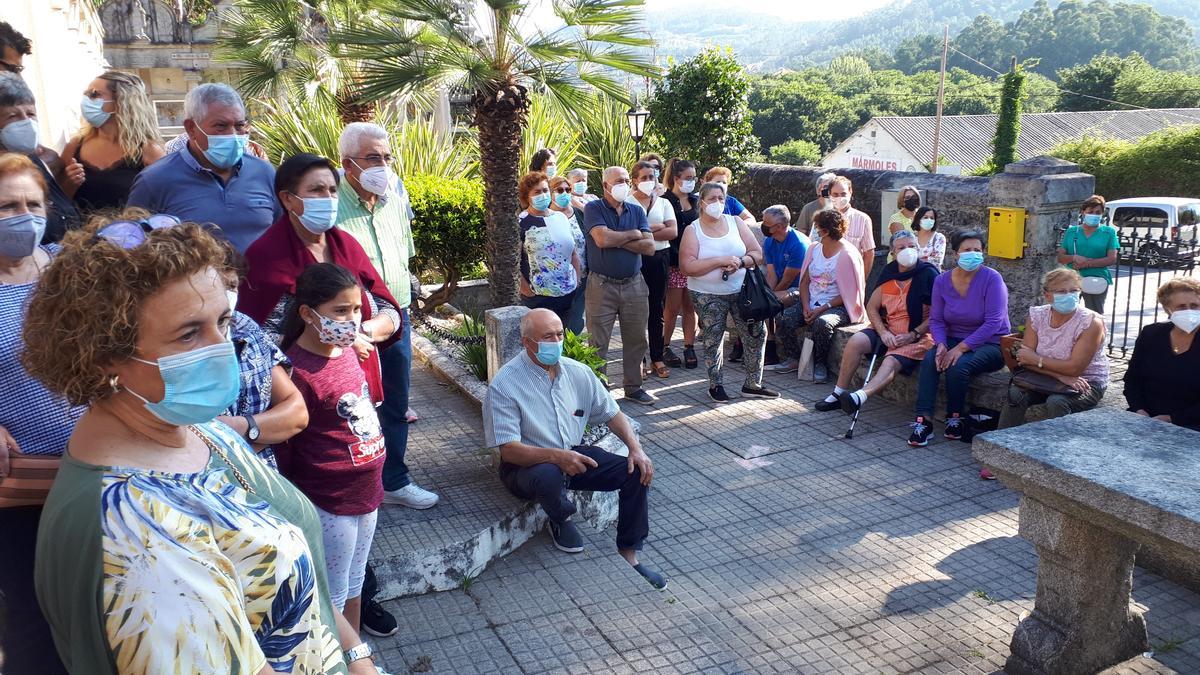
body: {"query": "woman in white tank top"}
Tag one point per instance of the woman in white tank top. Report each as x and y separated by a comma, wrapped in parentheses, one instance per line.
(714, 254)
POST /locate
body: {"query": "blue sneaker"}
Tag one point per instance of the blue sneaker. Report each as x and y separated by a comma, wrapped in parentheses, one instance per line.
(566, 536)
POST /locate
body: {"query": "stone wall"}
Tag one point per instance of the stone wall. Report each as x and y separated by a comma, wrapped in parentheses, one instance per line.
(1050, 190)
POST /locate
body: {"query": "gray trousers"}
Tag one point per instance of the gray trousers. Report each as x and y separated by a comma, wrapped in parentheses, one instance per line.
(605, 301)
(1023, 406)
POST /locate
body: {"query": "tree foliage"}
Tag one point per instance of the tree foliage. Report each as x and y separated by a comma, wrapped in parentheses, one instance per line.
(452, 234)
(796, 153)
(1008, 125)
(1124, 169)
(699, 111)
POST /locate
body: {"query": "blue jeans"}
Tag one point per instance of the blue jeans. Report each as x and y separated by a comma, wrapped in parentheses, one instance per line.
(984, 359)
(575, 315)
(397, 371)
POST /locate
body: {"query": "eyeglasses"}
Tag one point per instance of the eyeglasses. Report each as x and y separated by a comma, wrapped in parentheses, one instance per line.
(133, 233)
(376, 160)
(562, 189)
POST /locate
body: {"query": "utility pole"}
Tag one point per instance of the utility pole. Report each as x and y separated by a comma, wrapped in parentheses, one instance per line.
(937, 124)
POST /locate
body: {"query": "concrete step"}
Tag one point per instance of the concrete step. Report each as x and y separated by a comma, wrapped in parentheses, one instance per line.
(477, 521)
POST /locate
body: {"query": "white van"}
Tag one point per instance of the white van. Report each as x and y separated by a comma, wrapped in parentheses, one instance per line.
(1156, 229)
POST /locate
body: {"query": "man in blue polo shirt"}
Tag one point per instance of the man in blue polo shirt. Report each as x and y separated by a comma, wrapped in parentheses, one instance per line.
(783, 252)
(618, 235)
(212, 181)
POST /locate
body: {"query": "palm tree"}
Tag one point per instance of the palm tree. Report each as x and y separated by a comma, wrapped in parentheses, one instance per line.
(417, 44)
(280, 49)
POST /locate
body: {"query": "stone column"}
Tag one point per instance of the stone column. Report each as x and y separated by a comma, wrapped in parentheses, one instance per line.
(503, 327)
(1082, 621)
(1051, 191)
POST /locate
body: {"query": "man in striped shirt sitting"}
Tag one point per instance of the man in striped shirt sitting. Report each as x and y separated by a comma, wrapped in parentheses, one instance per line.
(535, 412)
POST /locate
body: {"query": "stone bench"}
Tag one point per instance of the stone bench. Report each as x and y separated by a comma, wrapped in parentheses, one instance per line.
(985, 391)
(1095, 487)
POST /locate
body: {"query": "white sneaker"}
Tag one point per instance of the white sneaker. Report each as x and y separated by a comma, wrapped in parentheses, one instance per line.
(784, 366)
(412, 496)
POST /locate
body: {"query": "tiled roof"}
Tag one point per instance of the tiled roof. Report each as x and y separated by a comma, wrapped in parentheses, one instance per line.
(966, 140)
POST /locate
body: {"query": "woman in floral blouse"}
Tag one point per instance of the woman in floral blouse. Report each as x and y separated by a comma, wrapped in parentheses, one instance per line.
(550, 266)
(930, 242)
(165, 546)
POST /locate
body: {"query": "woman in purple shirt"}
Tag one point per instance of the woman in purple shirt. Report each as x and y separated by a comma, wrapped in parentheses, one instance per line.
(968, 316)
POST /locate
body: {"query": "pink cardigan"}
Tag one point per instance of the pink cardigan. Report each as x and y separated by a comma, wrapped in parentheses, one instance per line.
(849, 275)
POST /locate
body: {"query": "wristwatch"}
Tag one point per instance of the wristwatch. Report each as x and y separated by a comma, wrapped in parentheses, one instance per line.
(252, 431)
(363, 651)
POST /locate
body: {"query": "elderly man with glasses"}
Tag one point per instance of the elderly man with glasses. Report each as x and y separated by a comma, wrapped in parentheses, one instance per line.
(213, 180)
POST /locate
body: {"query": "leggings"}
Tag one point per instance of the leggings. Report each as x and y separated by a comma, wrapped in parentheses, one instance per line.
(655, 272)
(714, 311)
(347, 546)
(822, 331)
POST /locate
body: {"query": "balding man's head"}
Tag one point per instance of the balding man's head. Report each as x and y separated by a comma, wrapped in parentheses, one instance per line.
(541, 326)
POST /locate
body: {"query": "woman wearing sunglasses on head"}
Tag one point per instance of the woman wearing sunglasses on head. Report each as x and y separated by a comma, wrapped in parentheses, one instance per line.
(165, 546)
(34, 423)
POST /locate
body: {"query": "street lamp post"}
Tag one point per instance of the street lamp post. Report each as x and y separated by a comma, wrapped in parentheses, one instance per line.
(636, 117)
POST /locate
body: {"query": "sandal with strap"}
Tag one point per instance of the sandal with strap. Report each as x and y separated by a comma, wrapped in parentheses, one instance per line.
(689, 357)
(661, 371)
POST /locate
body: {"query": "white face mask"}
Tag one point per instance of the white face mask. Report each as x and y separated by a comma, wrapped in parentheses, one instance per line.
(689, 186)
(20, 136)
(907, 257)
(715, 209)
(646, 187)
(376, 179)
(1186, 320)
(620, 191)
(841, 203)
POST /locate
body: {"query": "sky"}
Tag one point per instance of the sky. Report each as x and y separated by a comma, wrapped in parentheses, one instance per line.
(792, 10)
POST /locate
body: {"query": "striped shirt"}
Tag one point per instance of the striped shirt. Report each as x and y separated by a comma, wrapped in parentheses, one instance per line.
(860, 232)
(524, 404)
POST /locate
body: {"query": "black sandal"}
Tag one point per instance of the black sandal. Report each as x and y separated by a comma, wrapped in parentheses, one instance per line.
(689, 357)
(670, 358)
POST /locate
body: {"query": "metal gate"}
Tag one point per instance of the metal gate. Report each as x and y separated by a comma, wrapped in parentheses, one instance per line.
(1144, 263)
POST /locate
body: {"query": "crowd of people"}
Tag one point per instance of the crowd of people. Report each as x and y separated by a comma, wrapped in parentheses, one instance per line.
(207, 363)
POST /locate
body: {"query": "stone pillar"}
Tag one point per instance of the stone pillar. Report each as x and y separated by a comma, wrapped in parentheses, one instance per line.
(1051, 191)
(503, 327)
(1082, 621)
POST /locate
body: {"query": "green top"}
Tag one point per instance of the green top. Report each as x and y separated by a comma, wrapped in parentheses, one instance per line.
(1103, 240)
(384, 233)
(173, 573)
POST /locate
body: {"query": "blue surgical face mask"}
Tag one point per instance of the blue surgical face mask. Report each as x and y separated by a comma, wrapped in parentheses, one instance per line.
(551, 171)
(580, 187)
(970, 261)
(1091, 219)
(1065, 303)
(93, 111)
(225, 151)
(562, 199)
(20, 234)
(198, 385)
(320, 213)
(927, 223)
(20, 136)
(549, 353)
(541, 202)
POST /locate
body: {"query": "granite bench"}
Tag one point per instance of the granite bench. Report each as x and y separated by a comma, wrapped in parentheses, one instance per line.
(986, 391)
(1095, 487)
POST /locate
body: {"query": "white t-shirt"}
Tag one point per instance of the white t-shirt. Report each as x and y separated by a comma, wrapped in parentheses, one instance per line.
(730, 244)
(822, 277)
(660, 212)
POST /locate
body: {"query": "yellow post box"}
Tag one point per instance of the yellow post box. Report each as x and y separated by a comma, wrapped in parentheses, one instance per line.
(1006, 232)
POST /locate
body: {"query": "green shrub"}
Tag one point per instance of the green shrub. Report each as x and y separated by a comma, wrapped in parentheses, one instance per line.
(576, 347)
(796, 153)
(700, 111)
(474, 357)
(1165, 163)
(448, 229)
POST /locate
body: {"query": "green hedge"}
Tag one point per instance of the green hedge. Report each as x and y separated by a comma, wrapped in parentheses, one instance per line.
(1165, 163)
(448, 228)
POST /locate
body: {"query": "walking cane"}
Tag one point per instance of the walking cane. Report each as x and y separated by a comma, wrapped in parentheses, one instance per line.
(870, 371)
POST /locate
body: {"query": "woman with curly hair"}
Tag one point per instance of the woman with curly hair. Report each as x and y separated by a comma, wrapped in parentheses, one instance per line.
(119, 138)
(165, 545)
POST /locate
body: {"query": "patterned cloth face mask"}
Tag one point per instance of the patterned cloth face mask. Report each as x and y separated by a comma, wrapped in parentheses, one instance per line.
(337, 333)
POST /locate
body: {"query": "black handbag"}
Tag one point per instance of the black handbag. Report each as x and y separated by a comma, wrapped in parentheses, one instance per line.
(1042, 383)
(756, 302)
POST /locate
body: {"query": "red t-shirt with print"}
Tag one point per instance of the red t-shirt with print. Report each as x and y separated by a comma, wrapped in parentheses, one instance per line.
(337, 461)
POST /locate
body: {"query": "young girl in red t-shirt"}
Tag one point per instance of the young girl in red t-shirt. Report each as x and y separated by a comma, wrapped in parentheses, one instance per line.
(337, 461)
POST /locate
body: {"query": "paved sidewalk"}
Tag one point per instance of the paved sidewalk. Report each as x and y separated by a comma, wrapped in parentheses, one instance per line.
(789, 548)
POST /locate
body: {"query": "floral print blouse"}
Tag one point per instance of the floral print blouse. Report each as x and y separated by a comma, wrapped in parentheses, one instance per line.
(176, 573)
(547, 247)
